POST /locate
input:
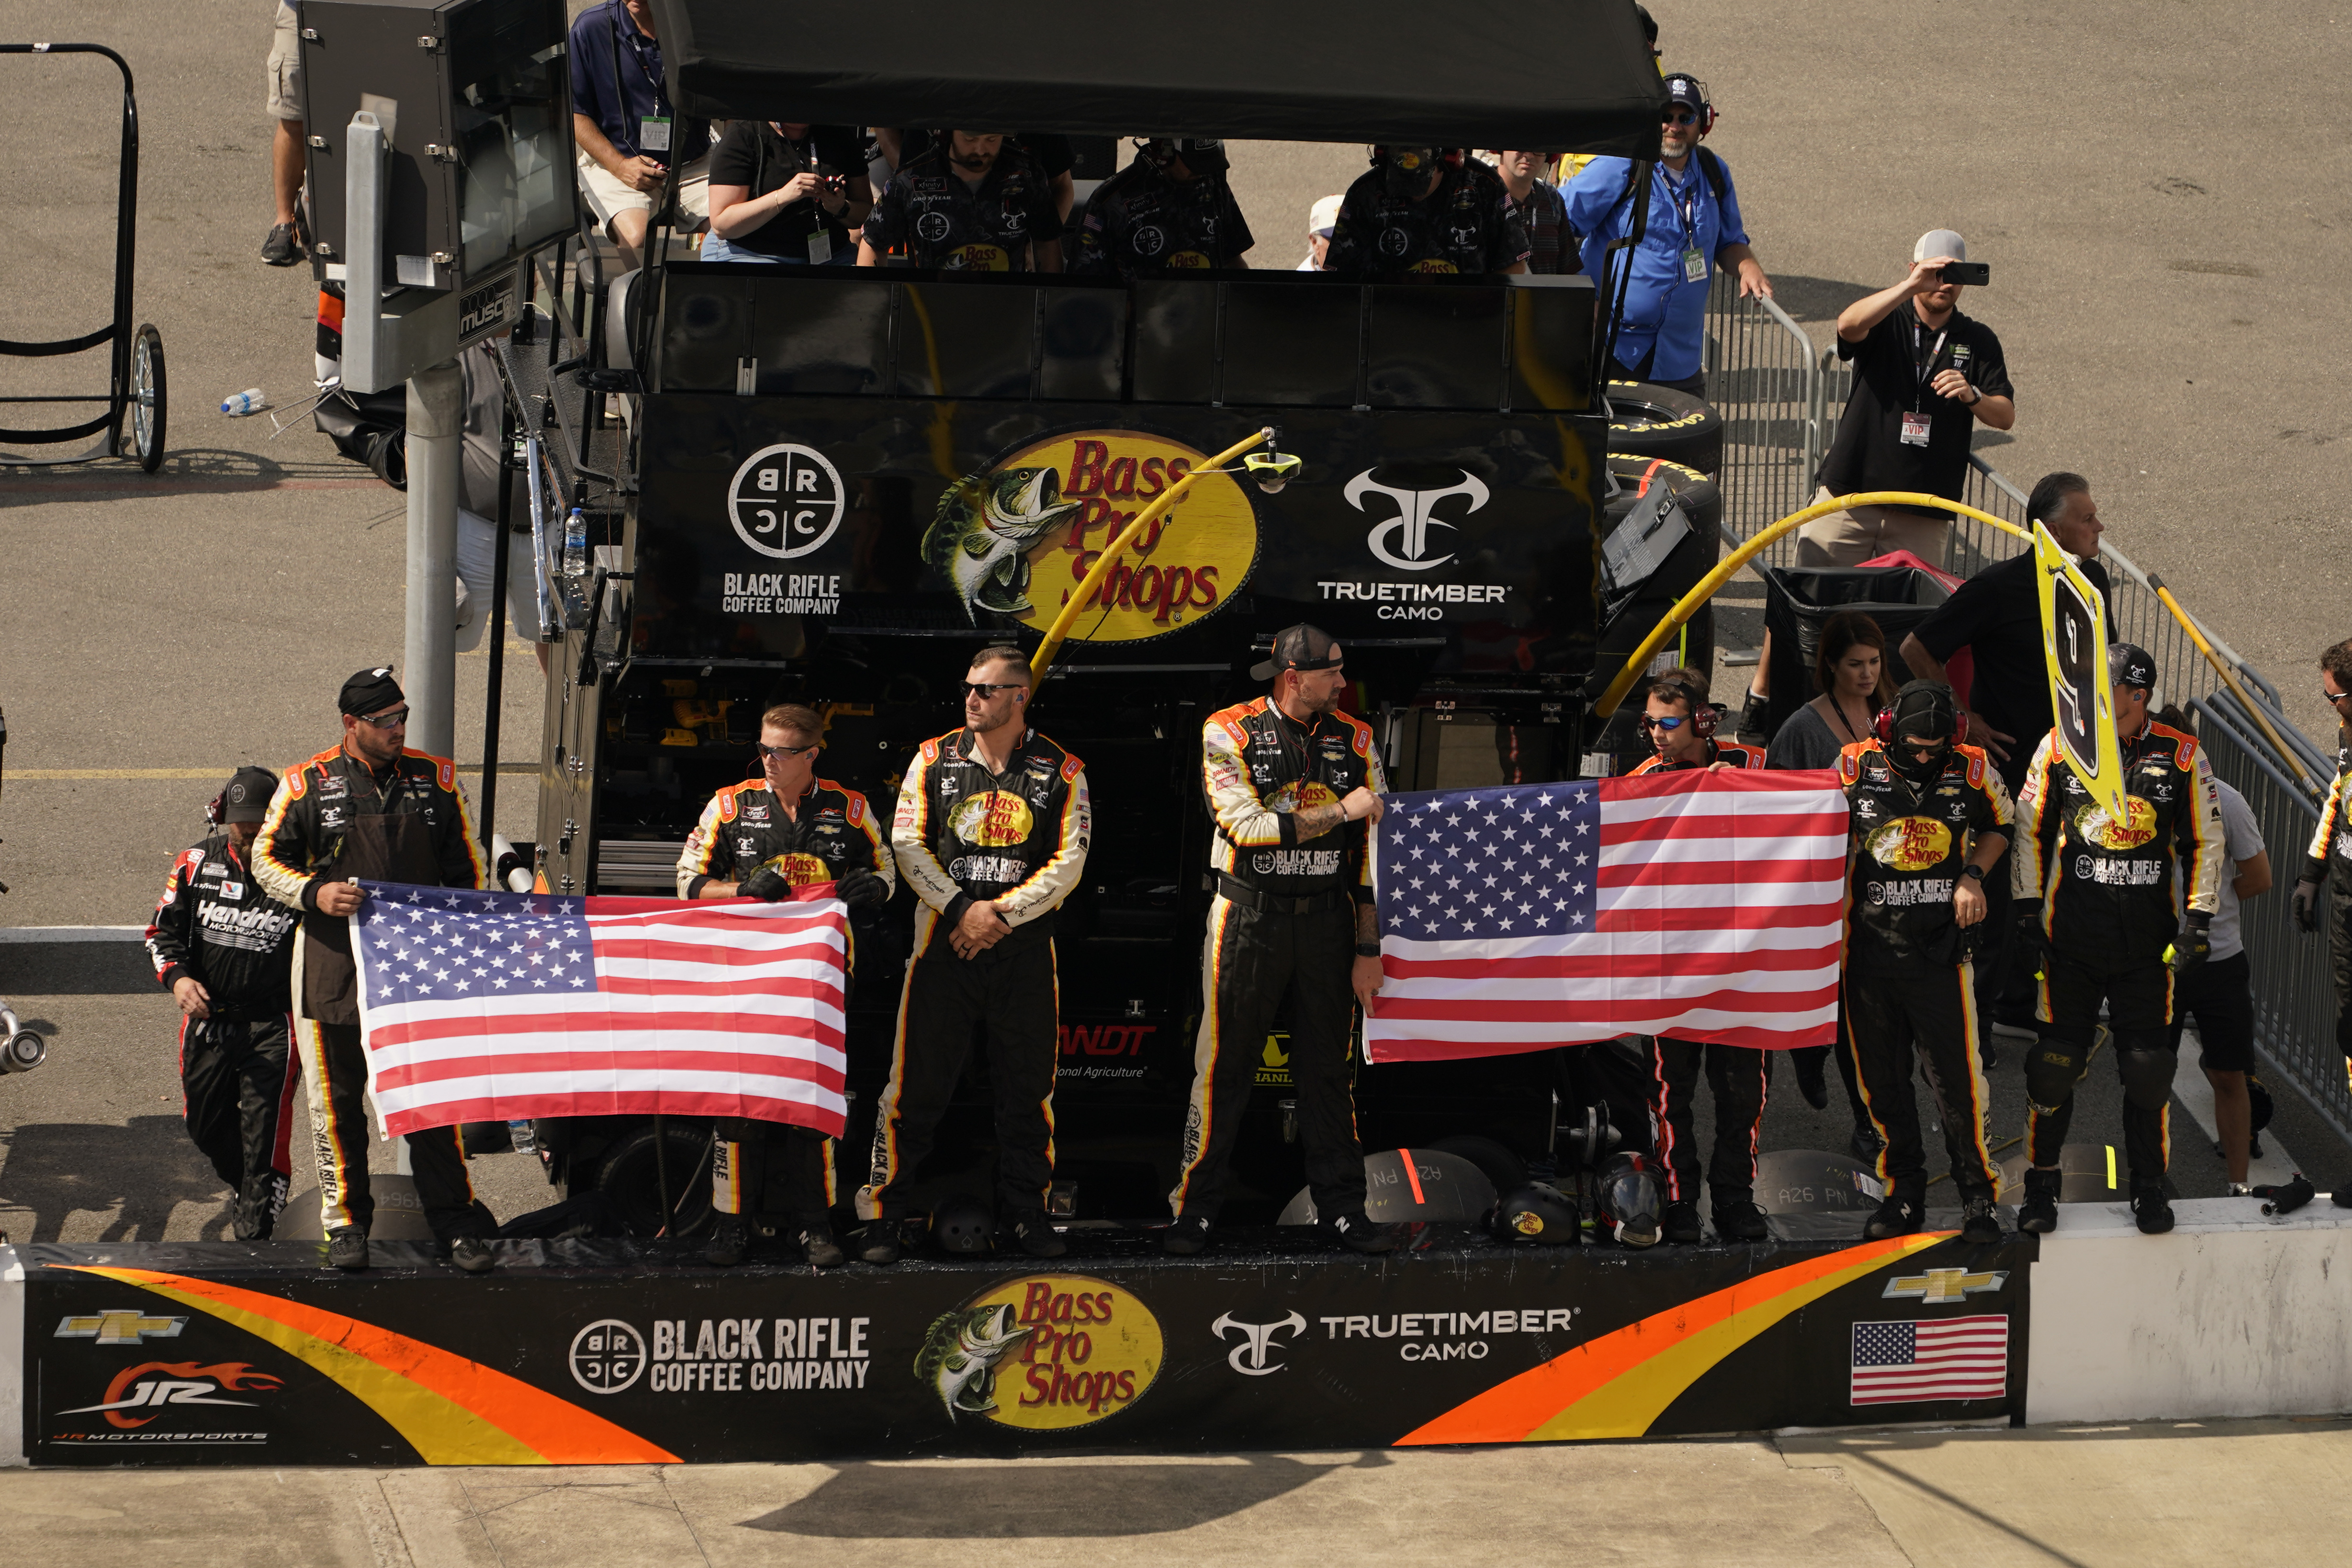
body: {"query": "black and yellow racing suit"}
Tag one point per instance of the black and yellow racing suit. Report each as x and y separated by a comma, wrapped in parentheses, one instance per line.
(2329, 860)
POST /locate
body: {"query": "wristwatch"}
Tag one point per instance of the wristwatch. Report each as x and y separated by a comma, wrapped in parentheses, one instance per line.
(1977, 398)
(1973, 871)
(1368, 950)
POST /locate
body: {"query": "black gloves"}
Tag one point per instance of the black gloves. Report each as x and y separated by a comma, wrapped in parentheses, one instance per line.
(2194, 945)
(2034, 941)
(862, 891)
(2306, 902)
(768, 883)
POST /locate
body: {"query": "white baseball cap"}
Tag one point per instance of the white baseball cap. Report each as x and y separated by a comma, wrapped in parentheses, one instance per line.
(1323, 216)
(1942, 242)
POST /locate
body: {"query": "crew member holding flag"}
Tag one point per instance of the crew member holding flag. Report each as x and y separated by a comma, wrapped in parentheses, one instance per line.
(769, 836)
(2102, 921)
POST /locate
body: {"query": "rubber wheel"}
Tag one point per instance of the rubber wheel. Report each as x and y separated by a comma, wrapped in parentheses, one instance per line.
(630, 1176)
(146, 401)
(1504, 1171)
(1654, 421)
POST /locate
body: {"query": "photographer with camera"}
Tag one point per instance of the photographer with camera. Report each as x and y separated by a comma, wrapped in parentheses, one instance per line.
(789, 195)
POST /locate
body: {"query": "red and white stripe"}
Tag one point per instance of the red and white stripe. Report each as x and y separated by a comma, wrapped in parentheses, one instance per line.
(1956, 1358)
(702, 1009)
(1721, 906)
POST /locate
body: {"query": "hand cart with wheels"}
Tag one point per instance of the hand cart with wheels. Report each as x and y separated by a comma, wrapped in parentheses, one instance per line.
(135, 367)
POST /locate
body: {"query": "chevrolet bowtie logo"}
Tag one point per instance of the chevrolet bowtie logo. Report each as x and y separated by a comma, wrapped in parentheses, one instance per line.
(120, 1328)
(1943, 1286)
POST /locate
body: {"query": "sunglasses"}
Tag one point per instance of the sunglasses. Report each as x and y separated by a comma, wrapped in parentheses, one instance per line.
(1681, 117)
(1649, 724)
(983, 690)
(391, 721)
(787, 752)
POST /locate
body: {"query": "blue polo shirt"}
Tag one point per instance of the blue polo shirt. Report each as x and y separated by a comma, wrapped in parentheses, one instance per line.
(1660, 309)
(616, 81)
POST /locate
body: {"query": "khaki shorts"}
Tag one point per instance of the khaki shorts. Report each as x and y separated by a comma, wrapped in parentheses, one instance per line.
(286, 67)
(1851, 537)
(607, 196)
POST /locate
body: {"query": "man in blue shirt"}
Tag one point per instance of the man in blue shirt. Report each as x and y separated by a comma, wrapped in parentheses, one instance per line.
(1694, 227)
(626, 130)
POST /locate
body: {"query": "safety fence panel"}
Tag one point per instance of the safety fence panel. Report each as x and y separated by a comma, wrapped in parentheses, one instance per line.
(2295, 998)
(1763, 380)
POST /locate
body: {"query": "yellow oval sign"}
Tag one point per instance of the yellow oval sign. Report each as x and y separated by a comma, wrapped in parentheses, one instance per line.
(799, 870)
(1910, 844)
(1019, 539)
(1043, 1353)
(992, 820)
(2094, 824)
(1301, 794)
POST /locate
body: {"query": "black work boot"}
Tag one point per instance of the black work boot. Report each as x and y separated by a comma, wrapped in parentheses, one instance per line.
(2151, 1210)
(1980, 1218)
(347, 1249)
(1899, 1213)
(817, 1245)
(1810, 1082)
(1358, 1234)
(1037, 1235)
(879, 1242)
(730, 1242)
(1188, 1236)
(1737, 1218)
(2039, 1213)
(1679, 1223)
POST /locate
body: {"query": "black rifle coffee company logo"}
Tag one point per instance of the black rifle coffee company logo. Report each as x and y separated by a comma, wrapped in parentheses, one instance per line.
(787, 500)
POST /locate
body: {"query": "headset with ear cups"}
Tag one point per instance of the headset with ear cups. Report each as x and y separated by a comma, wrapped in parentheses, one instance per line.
(1706, 111)
(1883, 725)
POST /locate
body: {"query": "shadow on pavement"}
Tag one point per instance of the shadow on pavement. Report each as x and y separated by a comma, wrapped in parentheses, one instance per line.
(1816, 299)
(149, 1168)
(972, 1501)
(76, 969)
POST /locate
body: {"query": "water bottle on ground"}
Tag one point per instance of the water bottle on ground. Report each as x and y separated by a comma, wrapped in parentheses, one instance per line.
(252, 400)
(576, 544)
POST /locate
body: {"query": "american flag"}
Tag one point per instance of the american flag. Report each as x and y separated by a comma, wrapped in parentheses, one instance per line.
(1945, 1358)
(1703, 905)
(482, 1006)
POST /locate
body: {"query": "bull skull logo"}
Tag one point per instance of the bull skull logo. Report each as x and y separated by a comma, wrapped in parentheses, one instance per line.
(1413, 520)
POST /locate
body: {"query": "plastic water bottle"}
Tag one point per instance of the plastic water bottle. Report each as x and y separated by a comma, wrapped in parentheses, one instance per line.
(525, 1140)
(252, 400)
(576, 544)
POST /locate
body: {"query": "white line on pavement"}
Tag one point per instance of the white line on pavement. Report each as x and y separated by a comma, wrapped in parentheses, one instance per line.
(2275, 1168)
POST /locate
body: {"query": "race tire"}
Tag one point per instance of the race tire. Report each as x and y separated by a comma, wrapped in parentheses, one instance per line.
(1504, 1171)
(629, 1176)
(1653, 421)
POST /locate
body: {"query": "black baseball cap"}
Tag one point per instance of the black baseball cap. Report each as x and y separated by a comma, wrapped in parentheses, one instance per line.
(1687, 90)
(1203, 155)
(1301, 646)
(248, 795)
(369, 691)
(2128, 664)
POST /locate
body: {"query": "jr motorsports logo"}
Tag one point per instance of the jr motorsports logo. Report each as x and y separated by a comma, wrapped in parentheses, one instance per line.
(179, 1394)
(1043, 1353)
(1256, 1343)
(1019, 537)
(1403, 539)
(787, 500)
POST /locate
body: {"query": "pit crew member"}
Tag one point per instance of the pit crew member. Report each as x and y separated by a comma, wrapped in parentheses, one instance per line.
(1425, 209)
(367, 808)
(991, 832)
(1288, 775)
(970, 204)
(224, 948)
(2328, 862)
(1929, 819)
(766, 836)
(1680, 723)
(1171, 209)
(2103, 921)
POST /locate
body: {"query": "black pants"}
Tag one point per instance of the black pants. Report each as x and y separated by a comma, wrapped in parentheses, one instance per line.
(2339, 956)
(1250, 963)
(750, 1152)
(1904, 1009)
(1737, 1077)
(237, 1081)
(2139, 1015)
(334, 1075)
(2004, 978)
(1015, 1000)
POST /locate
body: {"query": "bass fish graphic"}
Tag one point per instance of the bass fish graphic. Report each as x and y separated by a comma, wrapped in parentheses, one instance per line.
(985, 527)
(959, 1355)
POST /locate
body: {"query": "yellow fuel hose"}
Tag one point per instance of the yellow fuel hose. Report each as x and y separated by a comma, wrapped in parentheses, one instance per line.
(1084, 592)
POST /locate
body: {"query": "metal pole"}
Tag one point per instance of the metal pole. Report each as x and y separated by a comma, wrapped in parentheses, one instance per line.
(495, 694)
(429, 676)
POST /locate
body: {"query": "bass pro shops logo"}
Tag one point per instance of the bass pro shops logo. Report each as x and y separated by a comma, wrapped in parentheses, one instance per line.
(787, 500)
(1043, 1353)
(1403, 541)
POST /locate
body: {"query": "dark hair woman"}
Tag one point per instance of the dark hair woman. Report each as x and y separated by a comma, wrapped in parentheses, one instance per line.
(1851, 670)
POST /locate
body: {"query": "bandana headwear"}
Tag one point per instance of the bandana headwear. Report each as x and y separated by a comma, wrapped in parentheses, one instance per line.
(369, 691)
(1301, 646)
(2128, 664)
(1924, 711)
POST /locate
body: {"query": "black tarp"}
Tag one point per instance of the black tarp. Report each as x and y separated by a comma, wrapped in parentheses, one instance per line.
(1573, 75)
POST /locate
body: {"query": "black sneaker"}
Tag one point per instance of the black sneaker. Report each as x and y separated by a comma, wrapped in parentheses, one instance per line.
(1188, 1236)
(473, 1255)
(1810, 1082)
(730, 1242)
(2038, 1214)
(1740, 1220)
(879, 1242)
(818, 1246)
(1980, 1220)
(1358, 1234)
(1865, 1142)
(1680, 1223)
(2151, 1211)
(347, 1249)
(1896, 1215)
(1036, 1233)
(2342, 1197)
(284, 246)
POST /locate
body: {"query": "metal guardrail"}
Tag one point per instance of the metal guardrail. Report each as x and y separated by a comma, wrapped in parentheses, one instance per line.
(1781, 400)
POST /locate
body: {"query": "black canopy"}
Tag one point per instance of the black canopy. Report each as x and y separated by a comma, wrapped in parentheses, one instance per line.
(1571, 75)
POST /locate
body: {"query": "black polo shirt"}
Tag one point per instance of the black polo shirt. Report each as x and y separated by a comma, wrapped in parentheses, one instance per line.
(931, 217)
(1998, 614)
(754, 154)
(1467, 224)
(1892, 369)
